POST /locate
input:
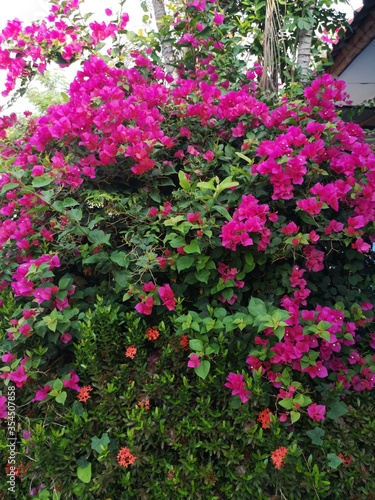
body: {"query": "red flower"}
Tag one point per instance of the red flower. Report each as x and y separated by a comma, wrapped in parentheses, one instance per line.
(152, 333)
(264, 418)
(130, 352)
(278, 456)
(346, 460)
(84, 393)
(125, 457)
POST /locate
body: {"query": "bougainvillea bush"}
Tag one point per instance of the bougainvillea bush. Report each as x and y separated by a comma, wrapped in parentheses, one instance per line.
(186, 274)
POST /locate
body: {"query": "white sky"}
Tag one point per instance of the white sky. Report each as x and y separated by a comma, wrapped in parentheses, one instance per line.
(31, 10)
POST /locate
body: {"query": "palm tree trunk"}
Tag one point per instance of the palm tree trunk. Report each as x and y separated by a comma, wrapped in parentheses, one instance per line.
(166, 48)
(271, 47)
(304, 48)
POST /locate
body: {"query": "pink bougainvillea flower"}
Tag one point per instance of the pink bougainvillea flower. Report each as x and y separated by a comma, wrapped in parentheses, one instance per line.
(25, 329)
(42, 393)
(194, 361)
(236, 382)
(316, 412)
(209, 155)
(145, 307)
(72, 381)
(194, 217)
(3, 407)
(153, 212)
(198, 4)
(8, 357)
(218, 18)
(19, 376)
(65, 338)
(148, 287)
(167, 296)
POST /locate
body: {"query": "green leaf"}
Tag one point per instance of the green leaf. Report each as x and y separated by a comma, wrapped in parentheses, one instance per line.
(98, 237)
(203, 275)
(222, 211)
(244, 157)
(176, 241)
(337, 410)
(9, 187)
(184, 183)
(206, 185)
(196, 345)
(84, 473)
(123, 278)
(333, 460)
(286, 403)
(120, 258)
(77, 408)
(249, 263)
(60, 398)
(59, 206)
(95, 258)
(41, 181)
(257, 307)
(294, 416)
(193, 247)
(316, 435)
(203, 369)
(58, 385)
(174, 220)
(100, 445)
(64, 97)
(184, 262)
(75, 214)
(70, 202)
(235, 402)
(47, 195)
(325, 336)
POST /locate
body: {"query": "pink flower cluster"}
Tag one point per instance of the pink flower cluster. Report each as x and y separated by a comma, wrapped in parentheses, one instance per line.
(33, 47)
(248, 221)
(147, 303)
(237, 384)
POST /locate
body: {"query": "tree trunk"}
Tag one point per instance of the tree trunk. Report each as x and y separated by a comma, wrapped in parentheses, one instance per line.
(271, 50)
(304, 48)
(166, 48)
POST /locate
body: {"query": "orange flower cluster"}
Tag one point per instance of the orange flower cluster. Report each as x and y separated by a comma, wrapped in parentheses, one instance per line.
(264, 418)
(152, 333)
(346, 460)
(278, 456)
(19, 471)
(184, 342)
(125, 457)
(144, 404)
(84, 393)
(130, 352)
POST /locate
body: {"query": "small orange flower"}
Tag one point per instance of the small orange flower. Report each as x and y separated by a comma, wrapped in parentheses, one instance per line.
(346, 460)
(84, 393)
(278, 456)
(184, 342)
(152, 333)
(264, 418)
(125, 457)
(144, 404)
(131, 351)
